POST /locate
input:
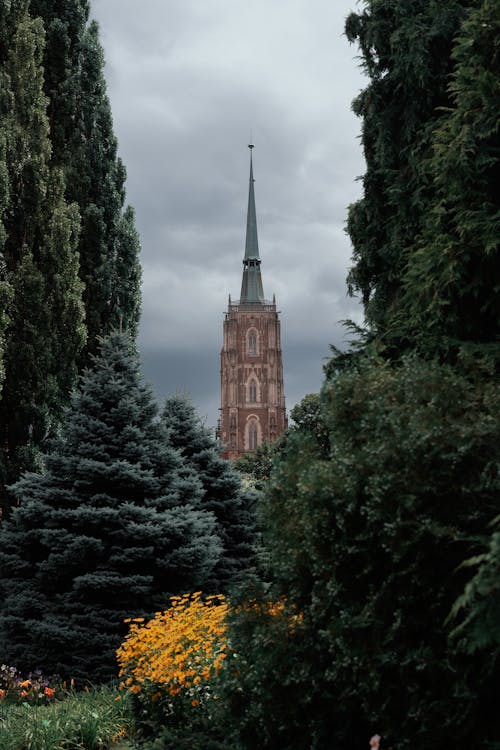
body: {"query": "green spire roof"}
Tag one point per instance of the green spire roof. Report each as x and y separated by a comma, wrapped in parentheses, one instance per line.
(251, 242)
(251, 285)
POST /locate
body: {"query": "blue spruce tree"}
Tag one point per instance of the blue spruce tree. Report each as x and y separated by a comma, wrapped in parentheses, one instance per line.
(111, 528)
(222, 493)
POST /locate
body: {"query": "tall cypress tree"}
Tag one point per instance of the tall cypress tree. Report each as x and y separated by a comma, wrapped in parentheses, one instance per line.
(4, 284)
(45, 331)
(112, 527)
(56, 150)
(222, 491)
(84, 145)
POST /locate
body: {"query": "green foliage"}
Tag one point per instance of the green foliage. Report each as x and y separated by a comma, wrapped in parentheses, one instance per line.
(82, 721)
(45, 331)
(5, 296)
(308, 419)
(478, 608)
(223, 494)
(369, 537)
(85, 147)
(368, 544)
(109, 246)
(449, 299)
(68, 246)
(256, 467)
(112, 527)
(406, 52)
(264, 687)
(209, 737)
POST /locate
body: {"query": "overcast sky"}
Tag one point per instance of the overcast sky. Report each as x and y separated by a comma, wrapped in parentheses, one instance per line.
(189, 81)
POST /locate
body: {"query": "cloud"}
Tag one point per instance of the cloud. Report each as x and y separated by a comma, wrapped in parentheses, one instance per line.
(188, 81)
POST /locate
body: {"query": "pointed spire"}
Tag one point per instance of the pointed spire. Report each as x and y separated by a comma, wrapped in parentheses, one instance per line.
(251, 284)
(251, 242)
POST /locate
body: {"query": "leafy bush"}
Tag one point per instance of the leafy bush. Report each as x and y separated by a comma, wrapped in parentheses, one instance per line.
(263, 683)
(369, 543)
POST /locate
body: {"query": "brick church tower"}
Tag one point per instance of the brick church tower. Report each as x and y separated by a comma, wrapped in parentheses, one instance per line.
(252, 395)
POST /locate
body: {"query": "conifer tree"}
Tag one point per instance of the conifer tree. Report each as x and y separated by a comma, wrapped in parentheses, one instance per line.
(222, 491)
(45, 332)
(4, 284)
(85, 147)
(448, 300)
(406, 52)
(113, 526)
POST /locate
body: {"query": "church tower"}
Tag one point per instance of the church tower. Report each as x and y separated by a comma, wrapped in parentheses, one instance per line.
(252, 395)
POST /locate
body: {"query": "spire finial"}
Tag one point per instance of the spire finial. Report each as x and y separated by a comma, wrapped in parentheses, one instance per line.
(251, 146)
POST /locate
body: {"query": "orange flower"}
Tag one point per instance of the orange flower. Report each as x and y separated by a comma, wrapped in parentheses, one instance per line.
(3, 693)
(177, 649)
(25, 684)
(49, 692)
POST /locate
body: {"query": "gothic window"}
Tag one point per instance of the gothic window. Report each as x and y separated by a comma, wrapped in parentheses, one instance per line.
(252, 343)
(252, 436)
(252, 391)
(233, 422)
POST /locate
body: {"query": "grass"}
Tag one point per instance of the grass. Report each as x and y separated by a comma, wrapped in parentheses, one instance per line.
(94, 720)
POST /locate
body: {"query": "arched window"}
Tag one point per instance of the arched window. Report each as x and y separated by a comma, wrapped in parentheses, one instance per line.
(252, 343)
(253, 437)
(252, 391)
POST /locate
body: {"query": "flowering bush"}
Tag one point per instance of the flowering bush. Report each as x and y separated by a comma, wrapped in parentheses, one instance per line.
(32, 688)
(169, 661)
(280, 610)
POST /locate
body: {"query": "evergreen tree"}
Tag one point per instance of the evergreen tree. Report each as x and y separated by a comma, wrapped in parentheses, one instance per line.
(85, 147)
(113, 526)
(4, 284)
(45, 332)
(406, 52)
(222, 491)
(448, 299)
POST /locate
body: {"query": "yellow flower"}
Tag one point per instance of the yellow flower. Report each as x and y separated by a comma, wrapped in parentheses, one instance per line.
(176, 648)
(185, 646)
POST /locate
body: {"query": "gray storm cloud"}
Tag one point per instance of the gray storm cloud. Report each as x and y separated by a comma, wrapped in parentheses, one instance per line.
(188, 81)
